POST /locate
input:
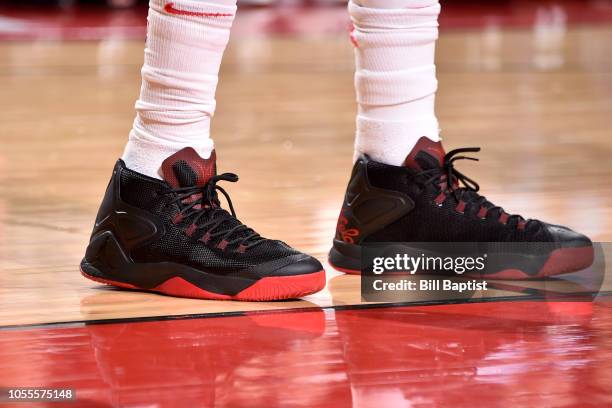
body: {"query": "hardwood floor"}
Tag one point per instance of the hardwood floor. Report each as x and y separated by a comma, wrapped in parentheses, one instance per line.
(540, 109)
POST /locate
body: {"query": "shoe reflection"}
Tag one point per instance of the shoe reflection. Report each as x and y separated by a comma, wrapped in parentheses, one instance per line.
(519, 353)
(251, 360)
(401, 356)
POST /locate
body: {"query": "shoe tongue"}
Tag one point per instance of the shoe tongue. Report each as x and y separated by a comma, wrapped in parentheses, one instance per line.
(425, 155)
(186, 168)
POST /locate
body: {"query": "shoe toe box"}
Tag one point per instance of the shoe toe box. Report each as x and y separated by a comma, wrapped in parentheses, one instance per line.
(298, 264)
(567, 238)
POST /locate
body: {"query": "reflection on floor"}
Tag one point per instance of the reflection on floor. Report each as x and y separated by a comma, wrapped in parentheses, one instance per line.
(504, 352)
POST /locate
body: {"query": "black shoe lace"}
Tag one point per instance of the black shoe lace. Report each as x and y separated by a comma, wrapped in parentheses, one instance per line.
(449, 179)
(201, 205)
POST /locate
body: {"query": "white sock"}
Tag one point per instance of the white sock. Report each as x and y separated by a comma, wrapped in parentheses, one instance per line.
(395, 76)
(185, 44)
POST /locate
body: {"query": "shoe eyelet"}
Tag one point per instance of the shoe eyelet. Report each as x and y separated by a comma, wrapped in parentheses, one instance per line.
(503, 219)
(178, 218)
(482, 214)
(460, 207)
(439, 200)
(190, 230)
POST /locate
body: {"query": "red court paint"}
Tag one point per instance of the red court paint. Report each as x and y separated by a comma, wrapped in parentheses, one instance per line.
(490, 354)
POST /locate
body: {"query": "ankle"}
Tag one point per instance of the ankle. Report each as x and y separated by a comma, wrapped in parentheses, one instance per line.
(146, 157)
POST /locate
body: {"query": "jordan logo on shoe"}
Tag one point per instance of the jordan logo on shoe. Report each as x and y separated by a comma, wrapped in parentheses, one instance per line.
(169, 8)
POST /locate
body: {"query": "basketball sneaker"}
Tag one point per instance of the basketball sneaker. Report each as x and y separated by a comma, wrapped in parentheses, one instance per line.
(428, 200)
(172, 236)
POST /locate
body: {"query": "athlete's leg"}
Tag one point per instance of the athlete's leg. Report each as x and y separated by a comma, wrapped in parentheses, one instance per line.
(185, 43)
(395, 78)
(161, 226)
(404, 187)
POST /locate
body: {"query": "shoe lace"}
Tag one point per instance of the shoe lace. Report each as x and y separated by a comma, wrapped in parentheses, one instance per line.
(201, 204)
(462, 188)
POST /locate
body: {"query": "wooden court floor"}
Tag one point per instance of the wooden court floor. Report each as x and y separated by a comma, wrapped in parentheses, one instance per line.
(538, 104)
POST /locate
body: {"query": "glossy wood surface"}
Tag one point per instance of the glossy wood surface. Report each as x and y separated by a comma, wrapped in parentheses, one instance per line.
(539, 103)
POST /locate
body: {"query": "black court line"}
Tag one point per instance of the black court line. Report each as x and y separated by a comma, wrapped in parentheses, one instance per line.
(533, 295)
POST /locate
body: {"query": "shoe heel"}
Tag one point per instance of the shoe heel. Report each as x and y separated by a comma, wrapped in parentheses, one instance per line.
(345, 257)
(104, 258)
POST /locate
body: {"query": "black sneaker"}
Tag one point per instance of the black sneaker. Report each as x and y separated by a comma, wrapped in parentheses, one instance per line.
(423, 202)
(173, 237)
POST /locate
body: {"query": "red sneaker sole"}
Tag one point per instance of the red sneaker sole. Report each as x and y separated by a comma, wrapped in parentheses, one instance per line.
(265, 289)
(560, 261)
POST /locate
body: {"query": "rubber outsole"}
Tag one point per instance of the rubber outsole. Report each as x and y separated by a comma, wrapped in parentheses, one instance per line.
(560, 261)
(266, 289)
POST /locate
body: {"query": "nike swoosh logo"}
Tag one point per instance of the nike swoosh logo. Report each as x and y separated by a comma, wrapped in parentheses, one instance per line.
(103, 220)
(169, 8)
